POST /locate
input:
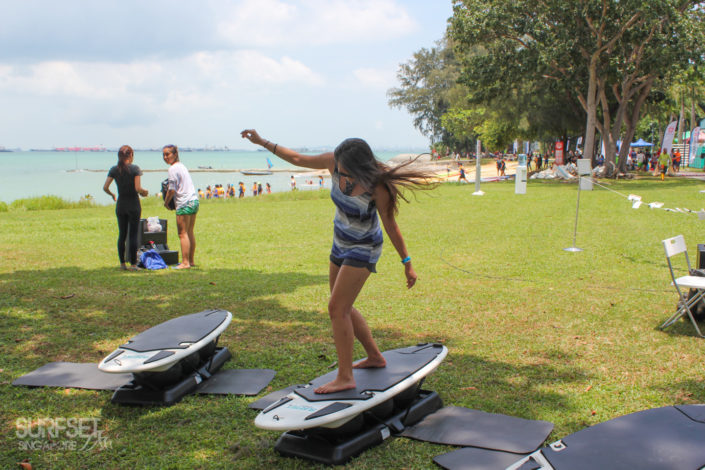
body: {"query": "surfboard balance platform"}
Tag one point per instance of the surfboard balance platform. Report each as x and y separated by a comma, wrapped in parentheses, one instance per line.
(169, 360)
(332, 428)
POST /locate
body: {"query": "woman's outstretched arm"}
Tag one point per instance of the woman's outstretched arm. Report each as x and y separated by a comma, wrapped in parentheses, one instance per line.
(324, 161)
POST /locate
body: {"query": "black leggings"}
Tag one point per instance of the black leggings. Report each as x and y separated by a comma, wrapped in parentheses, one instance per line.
(128, 223)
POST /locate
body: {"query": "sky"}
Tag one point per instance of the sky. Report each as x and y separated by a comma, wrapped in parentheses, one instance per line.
(304, 73)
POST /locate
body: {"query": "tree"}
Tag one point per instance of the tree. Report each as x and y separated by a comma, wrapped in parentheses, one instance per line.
(428, 83)
(606, 53)
(446, 110)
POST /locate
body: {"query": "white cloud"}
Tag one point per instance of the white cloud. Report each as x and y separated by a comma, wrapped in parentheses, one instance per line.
(376, 78)
(191, 71)
(255, 67)
(196, 76)
(314, 22)
(91, 80)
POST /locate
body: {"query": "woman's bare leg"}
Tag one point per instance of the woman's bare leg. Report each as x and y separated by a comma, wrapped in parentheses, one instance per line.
(346, 283)
(192, 238)
(182, 225)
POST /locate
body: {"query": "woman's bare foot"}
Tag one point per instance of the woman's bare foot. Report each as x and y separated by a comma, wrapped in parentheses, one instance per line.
(336, 385)
(371, 363)
(183, 266)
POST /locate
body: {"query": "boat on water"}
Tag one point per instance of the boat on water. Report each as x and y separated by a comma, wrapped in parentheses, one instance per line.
(256, 172)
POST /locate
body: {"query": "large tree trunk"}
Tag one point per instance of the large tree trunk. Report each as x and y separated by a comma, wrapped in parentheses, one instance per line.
(630, 119)
(608, 138)
(679, 132)
(693, 124)
(589, 144)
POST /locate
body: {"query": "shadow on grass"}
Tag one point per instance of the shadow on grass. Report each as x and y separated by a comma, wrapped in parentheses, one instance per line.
(526, 391)
(682, 327)
(684, 392)
(75, 314)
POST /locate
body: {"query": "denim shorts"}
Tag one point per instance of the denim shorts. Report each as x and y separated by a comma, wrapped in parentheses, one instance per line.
(353, 262)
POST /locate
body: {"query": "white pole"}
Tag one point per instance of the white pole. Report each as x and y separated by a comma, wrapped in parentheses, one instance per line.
(574, 248)
(478, 169)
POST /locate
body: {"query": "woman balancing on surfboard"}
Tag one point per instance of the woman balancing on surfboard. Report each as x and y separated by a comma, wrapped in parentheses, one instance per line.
(362, 187)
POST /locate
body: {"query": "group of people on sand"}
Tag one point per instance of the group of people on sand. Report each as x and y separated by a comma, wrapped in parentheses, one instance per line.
(218, 192)
(181, 194)
(364, 191)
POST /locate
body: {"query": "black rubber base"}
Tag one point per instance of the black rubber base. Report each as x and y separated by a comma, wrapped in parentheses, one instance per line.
(337, 446)
(135, 393)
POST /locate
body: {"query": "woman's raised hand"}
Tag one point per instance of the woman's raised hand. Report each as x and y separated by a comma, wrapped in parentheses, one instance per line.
(252, 136)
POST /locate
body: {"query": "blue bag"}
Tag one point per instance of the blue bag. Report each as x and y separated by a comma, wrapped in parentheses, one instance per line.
(151, 259)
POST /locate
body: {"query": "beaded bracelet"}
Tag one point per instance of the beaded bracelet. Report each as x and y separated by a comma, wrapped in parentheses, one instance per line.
(406, 260)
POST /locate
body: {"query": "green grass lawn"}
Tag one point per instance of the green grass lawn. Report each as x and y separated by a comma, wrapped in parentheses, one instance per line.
(533, 331)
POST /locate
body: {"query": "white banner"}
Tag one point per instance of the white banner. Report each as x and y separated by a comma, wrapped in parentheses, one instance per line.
(667, 144)
(694, 144)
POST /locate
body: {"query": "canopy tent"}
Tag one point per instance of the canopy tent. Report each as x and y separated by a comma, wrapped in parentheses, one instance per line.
(641, 143)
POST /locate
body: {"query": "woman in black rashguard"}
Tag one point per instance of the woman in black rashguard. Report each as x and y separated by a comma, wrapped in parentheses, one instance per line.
(128, 208)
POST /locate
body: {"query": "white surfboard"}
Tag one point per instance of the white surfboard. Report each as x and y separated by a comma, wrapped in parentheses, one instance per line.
(305, 409)
(163, 345)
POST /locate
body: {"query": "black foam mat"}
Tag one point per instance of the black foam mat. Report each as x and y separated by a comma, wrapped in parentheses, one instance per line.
(172, 333)
(73, 375)
(659, 438)
(464, 427)
(88, 376)
(474, 458)
(237, 382)
(401, 363)
(273, 397)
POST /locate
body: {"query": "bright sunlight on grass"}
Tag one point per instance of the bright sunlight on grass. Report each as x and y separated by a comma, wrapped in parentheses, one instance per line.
(533, 331)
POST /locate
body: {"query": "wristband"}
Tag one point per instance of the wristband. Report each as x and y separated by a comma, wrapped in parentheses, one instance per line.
(406, 260)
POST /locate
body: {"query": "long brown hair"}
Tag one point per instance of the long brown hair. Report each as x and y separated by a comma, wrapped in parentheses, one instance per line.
(359, 160)
(124, 155)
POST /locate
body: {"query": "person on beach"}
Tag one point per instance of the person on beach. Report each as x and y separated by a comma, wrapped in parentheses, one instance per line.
(128, 209)
(182, 190)
(462, 177)
(361, 189)
(663, 162)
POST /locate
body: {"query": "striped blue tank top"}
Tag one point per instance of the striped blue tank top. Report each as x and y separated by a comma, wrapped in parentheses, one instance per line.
(356, 231)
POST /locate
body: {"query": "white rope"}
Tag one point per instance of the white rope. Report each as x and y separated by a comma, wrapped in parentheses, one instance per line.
(637, 202)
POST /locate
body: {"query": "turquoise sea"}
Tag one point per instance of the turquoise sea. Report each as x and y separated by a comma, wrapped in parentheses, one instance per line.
(73, 175)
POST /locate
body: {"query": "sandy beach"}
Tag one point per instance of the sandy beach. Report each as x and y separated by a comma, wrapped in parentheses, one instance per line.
(448, 170)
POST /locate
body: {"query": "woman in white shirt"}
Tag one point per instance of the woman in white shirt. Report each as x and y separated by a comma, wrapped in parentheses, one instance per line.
(182, 190)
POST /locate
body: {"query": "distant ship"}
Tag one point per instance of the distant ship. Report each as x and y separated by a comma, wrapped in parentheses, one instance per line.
(80, 149)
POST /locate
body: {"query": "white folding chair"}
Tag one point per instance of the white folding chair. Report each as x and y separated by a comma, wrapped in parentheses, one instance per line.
(675, 246)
